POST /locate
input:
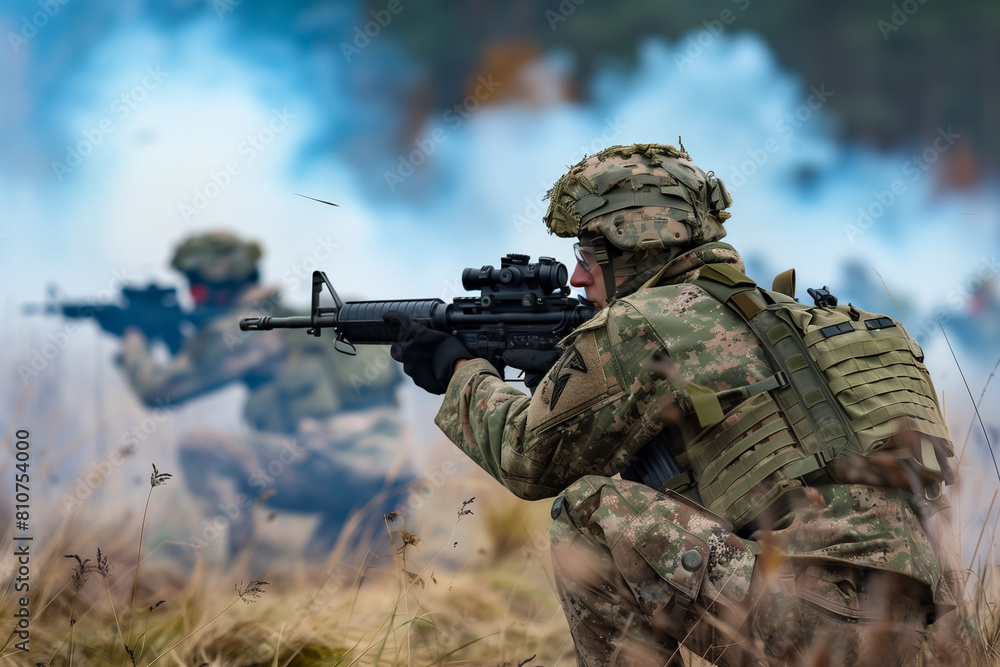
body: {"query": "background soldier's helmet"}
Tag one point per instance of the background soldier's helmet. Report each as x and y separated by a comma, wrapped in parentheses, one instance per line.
(217, 257)
(629, 180)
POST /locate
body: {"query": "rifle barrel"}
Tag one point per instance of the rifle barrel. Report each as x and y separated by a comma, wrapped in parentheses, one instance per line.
(293, 322)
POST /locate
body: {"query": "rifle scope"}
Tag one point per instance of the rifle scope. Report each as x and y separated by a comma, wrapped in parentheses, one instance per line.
(515, 273)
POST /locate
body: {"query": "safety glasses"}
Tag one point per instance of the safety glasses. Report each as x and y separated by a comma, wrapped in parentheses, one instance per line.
(586, 256)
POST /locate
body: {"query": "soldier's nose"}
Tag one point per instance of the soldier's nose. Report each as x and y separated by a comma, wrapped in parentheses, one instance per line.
(581, 277)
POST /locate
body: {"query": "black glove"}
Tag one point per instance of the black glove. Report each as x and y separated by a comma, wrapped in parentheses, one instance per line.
(534, 363)
(428, 356)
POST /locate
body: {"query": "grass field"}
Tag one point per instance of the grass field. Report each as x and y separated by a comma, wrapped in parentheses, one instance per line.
(417, 604)
(461, 579)
(102, 595)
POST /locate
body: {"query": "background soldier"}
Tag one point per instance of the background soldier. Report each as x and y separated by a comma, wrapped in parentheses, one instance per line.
(323, 426)
(801, 553)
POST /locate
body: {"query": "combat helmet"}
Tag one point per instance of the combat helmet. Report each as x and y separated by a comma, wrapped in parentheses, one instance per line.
(217, 257)
(638, 197)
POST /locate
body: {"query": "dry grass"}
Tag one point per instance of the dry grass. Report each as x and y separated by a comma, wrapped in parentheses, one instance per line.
(449, 582)
(414, 604)
(410, 603)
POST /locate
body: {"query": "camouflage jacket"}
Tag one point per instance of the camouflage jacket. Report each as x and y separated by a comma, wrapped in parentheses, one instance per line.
(290, 375)
(620, 382)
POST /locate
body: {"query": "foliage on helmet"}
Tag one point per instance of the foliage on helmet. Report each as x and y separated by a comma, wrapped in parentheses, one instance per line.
(631, 182)
(217, 257)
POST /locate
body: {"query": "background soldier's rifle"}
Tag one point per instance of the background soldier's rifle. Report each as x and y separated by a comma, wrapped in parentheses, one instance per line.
(152, 309)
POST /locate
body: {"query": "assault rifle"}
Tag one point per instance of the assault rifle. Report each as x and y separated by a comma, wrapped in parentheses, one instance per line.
(521, 306)
(152, 309)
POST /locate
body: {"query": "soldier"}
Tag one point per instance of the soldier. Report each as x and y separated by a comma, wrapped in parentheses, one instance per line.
(800, 553)
(323, 427)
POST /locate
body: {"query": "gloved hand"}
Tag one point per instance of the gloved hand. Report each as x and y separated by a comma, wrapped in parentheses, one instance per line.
(534, 363)
(428, 356)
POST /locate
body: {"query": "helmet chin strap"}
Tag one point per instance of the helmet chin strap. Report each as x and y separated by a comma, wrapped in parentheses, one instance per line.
(604, 252)
(616, 263)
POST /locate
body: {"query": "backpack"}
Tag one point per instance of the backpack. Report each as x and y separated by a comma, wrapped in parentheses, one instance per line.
(846, 383)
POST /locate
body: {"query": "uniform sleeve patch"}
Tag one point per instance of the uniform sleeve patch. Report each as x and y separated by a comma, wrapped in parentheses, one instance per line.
(571, 361)
(576, 381)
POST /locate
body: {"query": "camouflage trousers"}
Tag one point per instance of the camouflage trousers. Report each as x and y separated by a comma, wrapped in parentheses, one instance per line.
(640, 573)
(345, 469)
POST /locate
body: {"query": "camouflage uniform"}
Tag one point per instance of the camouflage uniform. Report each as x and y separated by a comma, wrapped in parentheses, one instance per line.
(847, 569)
(323, 426)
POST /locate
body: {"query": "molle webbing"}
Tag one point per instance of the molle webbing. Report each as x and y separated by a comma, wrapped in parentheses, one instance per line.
(846, 387)
(684, 481)
(808, 402)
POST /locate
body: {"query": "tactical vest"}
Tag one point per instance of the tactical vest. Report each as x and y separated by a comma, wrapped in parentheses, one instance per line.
(846, 383)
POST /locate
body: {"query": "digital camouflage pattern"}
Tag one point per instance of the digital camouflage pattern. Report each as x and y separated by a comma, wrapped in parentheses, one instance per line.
(642, 197)
(623, 563)
(816, 565)
(602, 400)
(621, 178)
(338, 411)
